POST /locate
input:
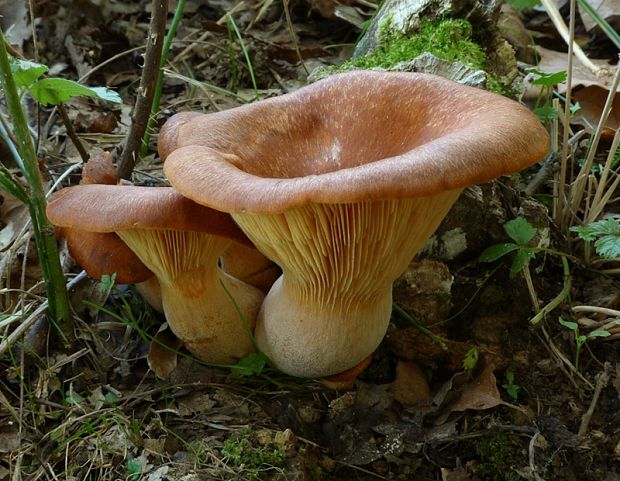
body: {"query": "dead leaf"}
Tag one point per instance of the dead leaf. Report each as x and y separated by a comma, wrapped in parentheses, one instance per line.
(552, 61)
(13, 217)
(410, 387)
(480, 394)
(9, 441)
(457, 474)
(99, 169)
(14, 21)
(159, 474)
(162, 356)
(592, 100)
(608, 9)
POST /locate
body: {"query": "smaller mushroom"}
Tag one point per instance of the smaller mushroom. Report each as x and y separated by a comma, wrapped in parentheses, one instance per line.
(181, 242)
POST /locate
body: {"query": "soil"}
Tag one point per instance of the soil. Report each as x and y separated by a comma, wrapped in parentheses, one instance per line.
(462, 388)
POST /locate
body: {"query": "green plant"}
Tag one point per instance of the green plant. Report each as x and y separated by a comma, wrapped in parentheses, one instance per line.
(471, 359)
(581, 339)
(512, 389)
(523, 4)
(16, 78)
(134, 469)
(240, 451)
(544, 108)
(605, 234)
(522, 232)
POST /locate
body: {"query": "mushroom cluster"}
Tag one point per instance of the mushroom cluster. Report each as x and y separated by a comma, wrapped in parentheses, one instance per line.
(339, 183)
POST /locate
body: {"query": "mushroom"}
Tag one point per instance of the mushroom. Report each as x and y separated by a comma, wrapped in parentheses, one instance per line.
(180, 242)
(341, 183)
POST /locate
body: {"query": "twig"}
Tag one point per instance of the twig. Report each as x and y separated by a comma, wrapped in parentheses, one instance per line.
(291, 30)
(547, 169)
(178, 14)
(598, 310)
(601, 382)
(146, 91)
(560, 210)
(32, 318)
(532, 452)
(71, 132)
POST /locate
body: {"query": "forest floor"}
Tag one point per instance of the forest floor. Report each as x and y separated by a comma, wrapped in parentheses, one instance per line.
(463, 387)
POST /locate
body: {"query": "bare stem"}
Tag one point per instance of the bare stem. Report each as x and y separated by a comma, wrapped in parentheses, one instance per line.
(178, 14)
(71, 132)
(146, 90)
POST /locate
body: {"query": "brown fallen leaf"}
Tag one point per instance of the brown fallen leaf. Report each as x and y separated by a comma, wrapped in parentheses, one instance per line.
(608, 9)
(480, 394)
(13, 218)
(457, 474)
(162, 356)
(592, 100)
(410, 387)
(552, 61)
(9, 441)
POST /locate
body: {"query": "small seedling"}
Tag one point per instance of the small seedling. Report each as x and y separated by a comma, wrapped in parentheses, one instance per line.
(544, 108)
(522, 232)
(251, 365)
(134, 469)
(512, 389)
(471, 359)
(581, 339)
(605, 234)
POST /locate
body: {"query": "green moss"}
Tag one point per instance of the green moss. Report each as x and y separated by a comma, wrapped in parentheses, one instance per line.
(240, 451)
(499, 454)
(448, 39)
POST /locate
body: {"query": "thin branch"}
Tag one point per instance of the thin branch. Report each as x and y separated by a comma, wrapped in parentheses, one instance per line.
(601, 382)
(71, 132)
(146, 91)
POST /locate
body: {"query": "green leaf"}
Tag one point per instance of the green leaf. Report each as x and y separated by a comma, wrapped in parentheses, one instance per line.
(108, 281)
(493, 253)
(524, 255)
(573, 326)
(520, 230)
(54, 91)
(608, 246)
(471, 359)
(546, 113)
(584, 233)
(250, 365)
(547, 79)
(25, 72)
(599, 333)
(600, 227)
(523, 4)
(134, 469)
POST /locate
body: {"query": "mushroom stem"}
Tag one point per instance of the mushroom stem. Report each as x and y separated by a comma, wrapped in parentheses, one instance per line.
(195, 292)
(331, 306)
